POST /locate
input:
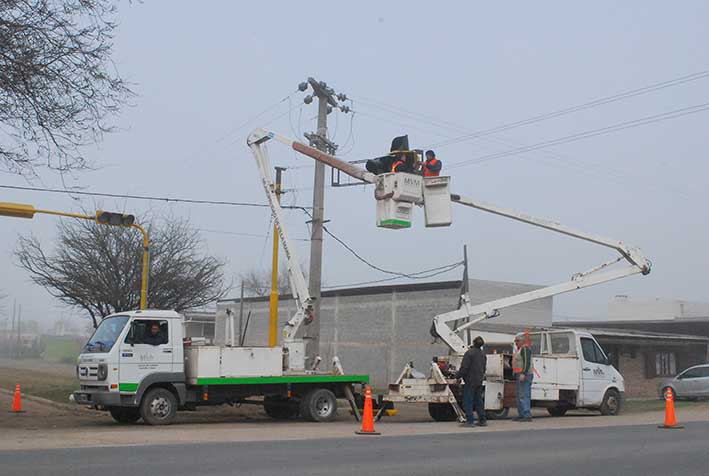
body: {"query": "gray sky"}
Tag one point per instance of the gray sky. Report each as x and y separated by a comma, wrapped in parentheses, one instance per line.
(200, 73)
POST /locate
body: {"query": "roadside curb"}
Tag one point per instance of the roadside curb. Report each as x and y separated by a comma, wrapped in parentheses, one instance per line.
(44, 401)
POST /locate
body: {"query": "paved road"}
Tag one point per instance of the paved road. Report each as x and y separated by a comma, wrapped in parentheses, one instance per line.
(632, 450)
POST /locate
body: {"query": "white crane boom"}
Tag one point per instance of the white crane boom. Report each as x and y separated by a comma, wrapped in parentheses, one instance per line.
(637, 263)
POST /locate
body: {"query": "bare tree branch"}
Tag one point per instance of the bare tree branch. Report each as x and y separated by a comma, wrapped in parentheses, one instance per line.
(58, 85)
(258, 282)
(98, 268)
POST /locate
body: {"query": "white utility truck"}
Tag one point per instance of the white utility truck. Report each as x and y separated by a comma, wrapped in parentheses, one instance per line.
(571, 371)
(578, 377)
(133, 375)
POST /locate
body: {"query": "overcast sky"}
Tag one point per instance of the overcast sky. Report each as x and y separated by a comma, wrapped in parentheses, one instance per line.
(203, 70)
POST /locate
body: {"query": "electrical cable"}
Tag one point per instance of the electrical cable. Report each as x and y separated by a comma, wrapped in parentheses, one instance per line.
(677, 113)
(373, 266)
(144, 197)
(393, 278)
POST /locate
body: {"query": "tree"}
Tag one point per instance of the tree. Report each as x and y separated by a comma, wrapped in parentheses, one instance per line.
(258, 282)
(98, 268)
(58, 85)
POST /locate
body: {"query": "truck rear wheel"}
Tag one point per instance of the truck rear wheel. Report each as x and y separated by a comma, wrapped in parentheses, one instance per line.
(442, 412)
(319, 404)
(280, 408)
(158, 407)
(125, 415)
(497, 414)
(611, 403)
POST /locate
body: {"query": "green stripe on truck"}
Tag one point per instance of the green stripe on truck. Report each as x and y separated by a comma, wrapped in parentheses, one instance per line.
(403, 223)
(284, 379)
(128, 387)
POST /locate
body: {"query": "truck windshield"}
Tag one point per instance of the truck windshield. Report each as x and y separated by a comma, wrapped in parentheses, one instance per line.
(106, 334)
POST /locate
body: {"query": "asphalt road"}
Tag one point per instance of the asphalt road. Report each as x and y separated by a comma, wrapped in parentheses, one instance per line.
(632, 450)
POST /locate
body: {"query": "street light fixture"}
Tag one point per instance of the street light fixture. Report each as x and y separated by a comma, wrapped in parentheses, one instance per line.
(20, 210)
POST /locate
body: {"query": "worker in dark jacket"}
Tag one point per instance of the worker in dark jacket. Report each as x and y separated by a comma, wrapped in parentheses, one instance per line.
(432, 166)
(472, 371)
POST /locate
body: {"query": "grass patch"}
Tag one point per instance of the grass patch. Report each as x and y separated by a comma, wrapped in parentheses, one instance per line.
(38, 383)
(655, 404)
(57, 349)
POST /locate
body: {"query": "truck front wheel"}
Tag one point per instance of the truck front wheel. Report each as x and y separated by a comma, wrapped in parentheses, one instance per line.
(158, 407)
(319, 404)
(611, 403)
(125, 415)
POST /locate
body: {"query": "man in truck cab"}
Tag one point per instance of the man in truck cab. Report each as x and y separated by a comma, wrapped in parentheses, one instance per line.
(522, 369)
(154, 336)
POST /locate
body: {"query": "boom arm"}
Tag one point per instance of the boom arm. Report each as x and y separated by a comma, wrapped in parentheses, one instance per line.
(637, 263)
(297, 281)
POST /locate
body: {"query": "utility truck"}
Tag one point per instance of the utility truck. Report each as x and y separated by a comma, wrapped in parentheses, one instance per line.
(579, 376)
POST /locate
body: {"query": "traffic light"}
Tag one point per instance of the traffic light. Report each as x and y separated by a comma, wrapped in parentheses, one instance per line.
(115, 219)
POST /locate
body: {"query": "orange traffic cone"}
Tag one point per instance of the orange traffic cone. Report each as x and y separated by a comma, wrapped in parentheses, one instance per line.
(670, 419)
(368, 415)
(17, 401)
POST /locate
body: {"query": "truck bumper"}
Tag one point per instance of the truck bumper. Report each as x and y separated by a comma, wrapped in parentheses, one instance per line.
(97, 398)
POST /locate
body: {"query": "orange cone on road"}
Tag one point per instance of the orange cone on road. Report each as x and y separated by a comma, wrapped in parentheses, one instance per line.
(17, 401)
(670, 419)
(368, 415)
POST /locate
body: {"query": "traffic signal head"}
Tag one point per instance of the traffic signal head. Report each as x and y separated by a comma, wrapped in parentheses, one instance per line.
(114, 219)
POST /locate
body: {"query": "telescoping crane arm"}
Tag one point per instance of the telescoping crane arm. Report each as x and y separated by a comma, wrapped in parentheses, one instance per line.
(636, 262)
(256, 141)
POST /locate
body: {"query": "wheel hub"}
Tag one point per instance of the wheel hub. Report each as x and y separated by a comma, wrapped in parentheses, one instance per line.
(160, 407)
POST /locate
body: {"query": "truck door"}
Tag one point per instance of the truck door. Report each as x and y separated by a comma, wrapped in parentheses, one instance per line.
(594, 373)
(147, 349)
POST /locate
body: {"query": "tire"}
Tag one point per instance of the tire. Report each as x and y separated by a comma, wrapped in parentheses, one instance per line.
(611, 403)
(280, 408)
(319, 405)
(558, 411)
(125, 415)
(497, 414)
(442, 412)
(158, 407)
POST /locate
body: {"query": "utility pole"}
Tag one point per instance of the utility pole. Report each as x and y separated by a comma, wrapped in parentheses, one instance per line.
(273, 302)
(327, 101)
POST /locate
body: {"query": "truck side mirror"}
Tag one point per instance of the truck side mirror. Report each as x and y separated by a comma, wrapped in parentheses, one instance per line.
(609, 359)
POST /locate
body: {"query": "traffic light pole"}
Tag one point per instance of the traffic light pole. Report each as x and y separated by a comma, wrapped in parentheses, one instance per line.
(18, 210)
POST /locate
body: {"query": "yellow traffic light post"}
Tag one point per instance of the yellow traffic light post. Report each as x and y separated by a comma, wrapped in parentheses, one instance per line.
(19, 210)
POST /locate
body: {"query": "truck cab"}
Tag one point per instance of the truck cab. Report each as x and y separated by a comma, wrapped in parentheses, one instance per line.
(129, 354)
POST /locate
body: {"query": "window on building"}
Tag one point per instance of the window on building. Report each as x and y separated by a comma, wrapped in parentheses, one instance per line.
(660, 364)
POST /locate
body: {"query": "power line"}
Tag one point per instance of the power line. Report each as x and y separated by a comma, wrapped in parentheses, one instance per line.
(587, 134)
(580, 107)
(375, 281)
(145, 197)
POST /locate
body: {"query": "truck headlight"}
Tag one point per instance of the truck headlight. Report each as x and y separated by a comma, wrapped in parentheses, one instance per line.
(102, 372)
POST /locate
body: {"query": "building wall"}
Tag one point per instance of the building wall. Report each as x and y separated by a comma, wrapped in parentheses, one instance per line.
(378, 333)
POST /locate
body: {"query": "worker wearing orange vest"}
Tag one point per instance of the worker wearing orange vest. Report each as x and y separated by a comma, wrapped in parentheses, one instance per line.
(522, 369)
(432, 166)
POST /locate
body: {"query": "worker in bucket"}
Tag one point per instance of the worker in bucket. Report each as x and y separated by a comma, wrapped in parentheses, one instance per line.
(472, 371)
(522, 369)
(432, 166)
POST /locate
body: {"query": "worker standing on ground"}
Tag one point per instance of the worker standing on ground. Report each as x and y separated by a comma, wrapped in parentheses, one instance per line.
(472, 371)
(432, 166)
(522, 368)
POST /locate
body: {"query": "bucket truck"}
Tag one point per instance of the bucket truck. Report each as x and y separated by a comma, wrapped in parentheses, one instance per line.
(573, 371)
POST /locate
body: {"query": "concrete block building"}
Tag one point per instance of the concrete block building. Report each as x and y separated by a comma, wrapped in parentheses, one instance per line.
(377, 330)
